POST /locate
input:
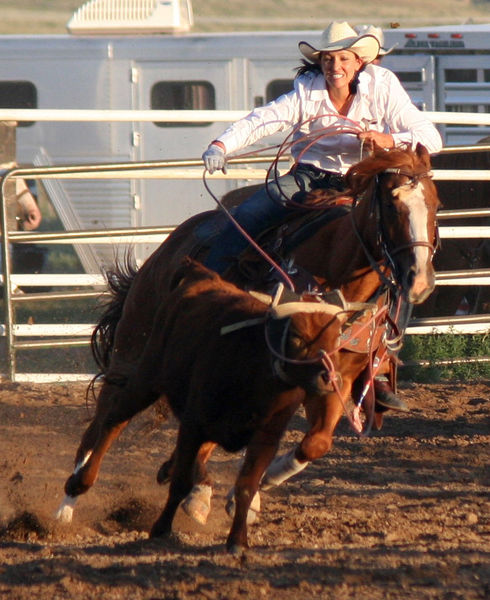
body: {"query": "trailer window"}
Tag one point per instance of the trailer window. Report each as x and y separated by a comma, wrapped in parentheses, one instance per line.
(409, 76)
(18, 94)
(461, 75)
(182, 95)
(469, 86)
(462, 108)
(458, 108)
(277, 88)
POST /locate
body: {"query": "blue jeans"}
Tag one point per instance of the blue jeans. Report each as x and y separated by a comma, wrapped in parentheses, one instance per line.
(266, 208)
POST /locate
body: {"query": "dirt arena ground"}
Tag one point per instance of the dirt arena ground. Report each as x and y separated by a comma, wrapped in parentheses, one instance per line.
(403, 513)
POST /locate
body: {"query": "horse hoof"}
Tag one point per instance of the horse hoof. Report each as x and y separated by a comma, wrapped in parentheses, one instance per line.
(197, 505)
(64, 514)
(378, 421)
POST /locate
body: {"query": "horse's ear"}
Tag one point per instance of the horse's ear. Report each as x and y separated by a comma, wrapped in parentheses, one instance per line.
(423, 155)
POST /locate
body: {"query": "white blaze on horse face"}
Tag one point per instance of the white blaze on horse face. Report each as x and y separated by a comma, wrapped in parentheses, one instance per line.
(413, 198)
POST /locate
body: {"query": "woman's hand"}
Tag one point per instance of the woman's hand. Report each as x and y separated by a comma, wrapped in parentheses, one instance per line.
(383, 140)
(215, 157)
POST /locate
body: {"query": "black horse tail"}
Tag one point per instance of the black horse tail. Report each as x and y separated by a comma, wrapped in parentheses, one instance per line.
(119, 280)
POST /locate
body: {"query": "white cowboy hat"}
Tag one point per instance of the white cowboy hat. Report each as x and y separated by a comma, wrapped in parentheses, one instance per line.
(341, 36)
(377, 32)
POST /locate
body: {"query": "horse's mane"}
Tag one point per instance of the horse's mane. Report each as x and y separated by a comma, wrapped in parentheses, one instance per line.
(360, 175)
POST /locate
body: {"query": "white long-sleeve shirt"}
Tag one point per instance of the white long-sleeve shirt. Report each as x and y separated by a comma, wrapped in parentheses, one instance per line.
(380, 104)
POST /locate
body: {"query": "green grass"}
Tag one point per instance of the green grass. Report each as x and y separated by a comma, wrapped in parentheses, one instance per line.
(437, 347)
(51, 16)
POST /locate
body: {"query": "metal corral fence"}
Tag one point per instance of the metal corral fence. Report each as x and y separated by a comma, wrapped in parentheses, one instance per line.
(79, 334)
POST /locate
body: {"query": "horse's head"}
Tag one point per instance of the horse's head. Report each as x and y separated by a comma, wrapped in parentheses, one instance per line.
(403, 200)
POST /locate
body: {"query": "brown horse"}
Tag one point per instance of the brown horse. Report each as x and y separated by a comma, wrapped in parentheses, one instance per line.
(387, 239)
(207, 353)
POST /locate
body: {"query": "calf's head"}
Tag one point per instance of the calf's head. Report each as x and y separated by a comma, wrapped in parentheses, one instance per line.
(301, 335)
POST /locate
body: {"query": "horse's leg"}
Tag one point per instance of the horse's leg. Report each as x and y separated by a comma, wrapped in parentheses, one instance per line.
(254, 508)
(260, 452)
(323, 413)
(164, 474)
(85, 449)
(197, 504)
(316, 443)
(115, 408)
(188, 444)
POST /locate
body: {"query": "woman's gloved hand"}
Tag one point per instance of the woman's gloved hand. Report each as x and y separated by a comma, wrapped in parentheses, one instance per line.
(214, 158)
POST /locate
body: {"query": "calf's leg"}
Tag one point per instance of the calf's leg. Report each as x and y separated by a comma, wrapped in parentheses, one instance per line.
(260, 452)
(188, 444)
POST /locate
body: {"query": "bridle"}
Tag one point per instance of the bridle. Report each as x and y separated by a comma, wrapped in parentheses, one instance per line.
(383, 240)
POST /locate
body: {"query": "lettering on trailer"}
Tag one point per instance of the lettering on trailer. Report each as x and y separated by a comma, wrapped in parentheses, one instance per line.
(434, 44)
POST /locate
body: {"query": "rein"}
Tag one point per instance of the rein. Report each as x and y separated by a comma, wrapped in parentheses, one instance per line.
(282, 273)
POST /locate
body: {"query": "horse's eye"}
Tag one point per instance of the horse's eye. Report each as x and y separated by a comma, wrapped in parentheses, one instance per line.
(392, 206)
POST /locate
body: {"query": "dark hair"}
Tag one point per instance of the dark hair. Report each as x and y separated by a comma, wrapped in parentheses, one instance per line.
(309, 67)
(354, 82)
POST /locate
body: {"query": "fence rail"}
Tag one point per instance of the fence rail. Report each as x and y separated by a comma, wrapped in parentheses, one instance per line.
(183, 169)
(189, 116)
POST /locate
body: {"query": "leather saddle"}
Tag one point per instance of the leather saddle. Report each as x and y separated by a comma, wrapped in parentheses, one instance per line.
(279, 242)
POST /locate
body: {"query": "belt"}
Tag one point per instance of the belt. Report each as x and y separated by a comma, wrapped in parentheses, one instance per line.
(322, 177)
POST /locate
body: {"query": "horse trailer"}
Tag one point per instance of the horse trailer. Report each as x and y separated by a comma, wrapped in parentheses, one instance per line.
(442, 68)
